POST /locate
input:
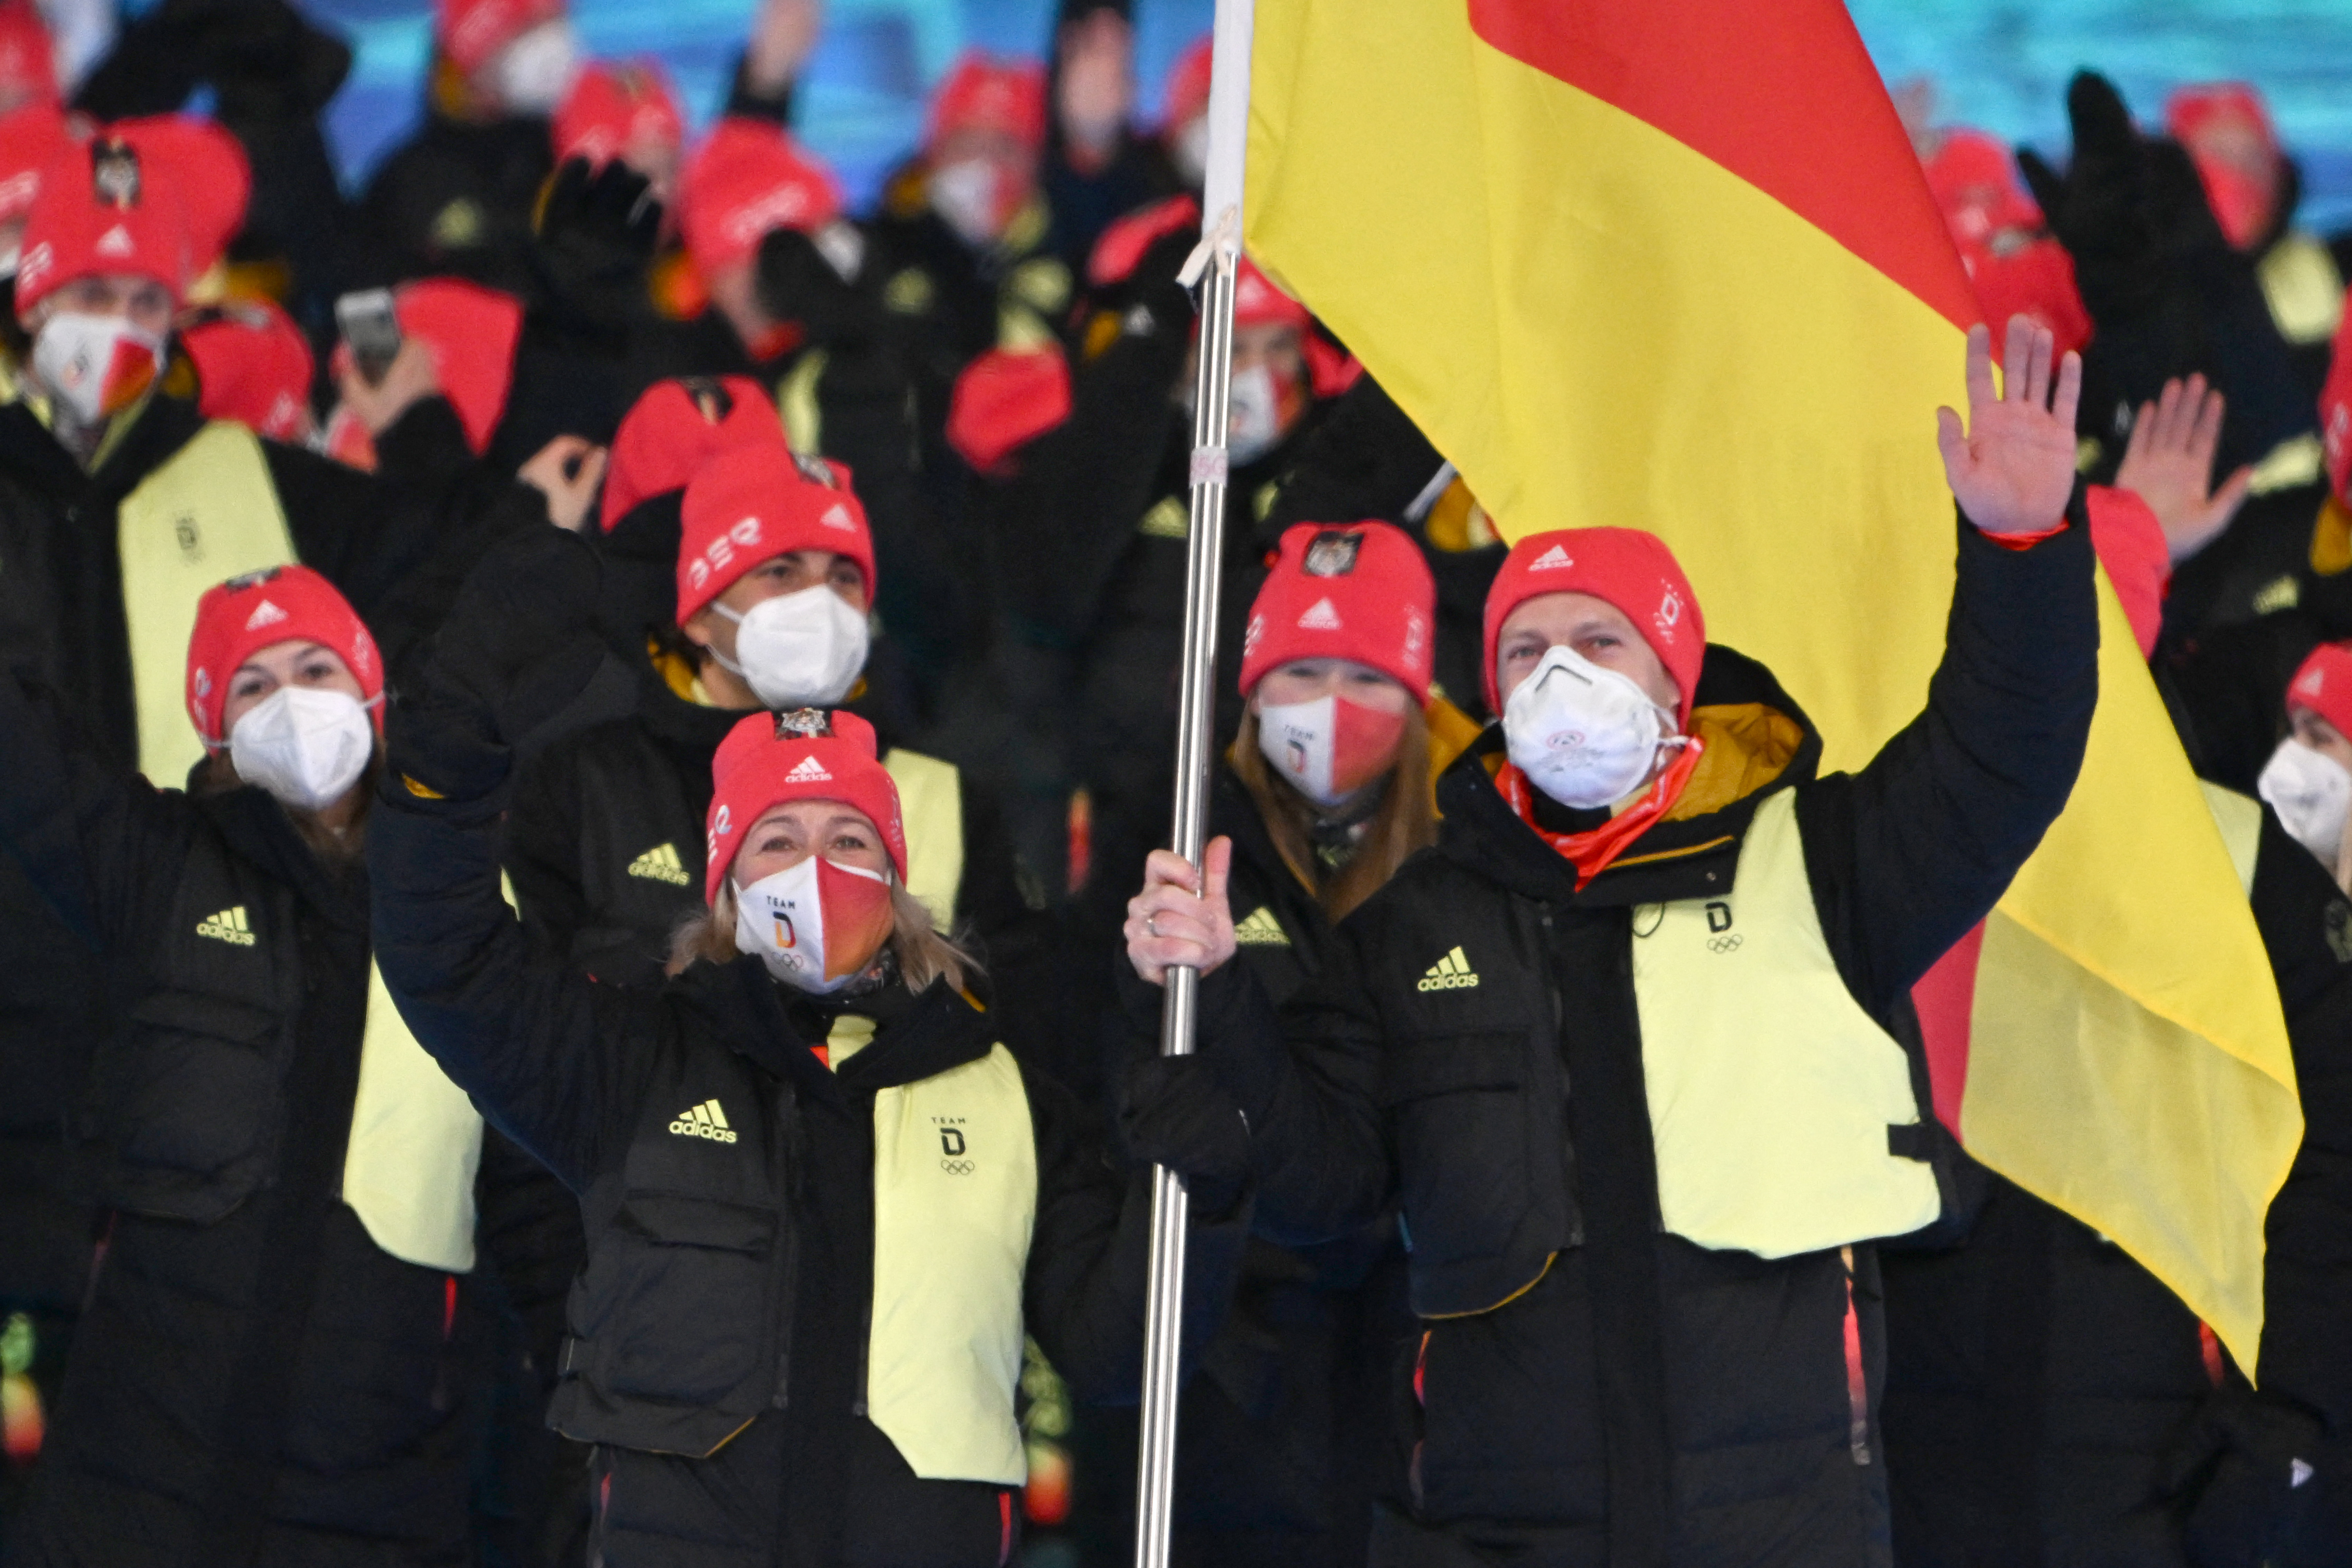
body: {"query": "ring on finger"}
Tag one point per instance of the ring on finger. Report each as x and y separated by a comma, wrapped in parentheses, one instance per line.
(1150, 925)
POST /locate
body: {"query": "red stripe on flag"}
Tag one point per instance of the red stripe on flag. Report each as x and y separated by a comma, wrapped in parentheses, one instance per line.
(1784, 96)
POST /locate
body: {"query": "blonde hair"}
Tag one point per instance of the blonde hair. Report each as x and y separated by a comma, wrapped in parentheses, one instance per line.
(1405, 820)
(923, 954)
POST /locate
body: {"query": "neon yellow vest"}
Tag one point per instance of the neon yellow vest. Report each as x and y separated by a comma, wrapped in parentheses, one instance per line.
(209, 513)
(930, 803)
(1770, 1089)
(416, 1141)
(955, 1202)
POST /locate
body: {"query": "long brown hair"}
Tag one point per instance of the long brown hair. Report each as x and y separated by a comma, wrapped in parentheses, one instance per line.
(1405, 820)
(923, 954)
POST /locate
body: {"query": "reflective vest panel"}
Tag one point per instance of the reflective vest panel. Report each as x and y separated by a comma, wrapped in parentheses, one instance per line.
(955, 1201)
(415, 1142)
(209, 513)
(930, 803)
(1770, 1089)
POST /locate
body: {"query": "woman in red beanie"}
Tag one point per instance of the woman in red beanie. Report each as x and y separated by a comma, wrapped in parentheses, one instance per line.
(276, 1362)
(1324, 794)
(822, 1203)
(1625, 1049)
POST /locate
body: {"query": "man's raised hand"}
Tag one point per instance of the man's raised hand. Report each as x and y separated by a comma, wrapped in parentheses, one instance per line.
(2012, 466)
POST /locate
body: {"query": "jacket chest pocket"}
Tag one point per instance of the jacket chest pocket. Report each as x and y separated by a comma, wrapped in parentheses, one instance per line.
(188, 1104)
(1459, 1116)
(674, 1303)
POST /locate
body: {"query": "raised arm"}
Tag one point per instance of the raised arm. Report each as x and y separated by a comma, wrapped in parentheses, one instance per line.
(554, 1059)
(1911, 852)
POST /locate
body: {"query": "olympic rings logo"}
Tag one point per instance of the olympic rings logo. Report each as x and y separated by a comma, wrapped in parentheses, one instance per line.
(956, 1167)
(1723, 943)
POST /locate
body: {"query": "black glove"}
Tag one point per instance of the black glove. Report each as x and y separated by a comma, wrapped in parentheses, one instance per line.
(519, 647)
(1173, 1112)
(2246, 1460)
(798, 282)
(2167, 292)
(596, 236)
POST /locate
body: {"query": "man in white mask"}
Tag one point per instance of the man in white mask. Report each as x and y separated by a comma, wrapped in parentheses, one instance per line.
(2308, 780)
(1625, 1046)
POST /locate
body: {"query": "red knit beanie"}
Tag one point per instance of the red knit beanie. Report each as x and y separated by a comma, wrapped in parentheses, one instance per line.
(1355, 591)
(2335, 414)
(983, 93)
(752, 503)
(676, 427)
(253, 365)
(103, 209)
(806, 754)
(247, 614)
(470, 31)
(748, 178)
(611, 107)
(2323, 683)
(1624, 567)
(207, 172)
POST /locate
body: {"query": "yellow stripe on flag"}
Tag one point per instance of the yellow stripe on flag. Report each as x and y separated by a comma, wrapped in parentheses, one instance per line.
(1598, 324)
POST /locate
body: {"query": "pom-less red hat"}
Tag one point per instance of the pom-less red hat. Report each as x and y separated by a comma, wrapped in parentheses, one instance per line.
(253, 365)
(611, 107)
(2323, 683)
(1357, 591)
(1005, 399)
(471, 31)
(2036, 281)
(2239, 199)
(1975, 184)
(1187, 93)
(471, 333)
(2130, 544)
(983, 93)
(239, 617)
(1258, 303)
(755, 502)
(676, 427)
(28, 57)
(2191, 111)
(206, 168)
(1624, 567)
(102, 210)
(807, 754)
(746, 178)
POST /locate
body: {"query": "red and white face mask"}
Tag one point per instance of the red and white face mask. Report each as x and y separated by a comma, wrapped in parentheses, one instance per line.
(816, 925)
(1329, 748)
(97, 366)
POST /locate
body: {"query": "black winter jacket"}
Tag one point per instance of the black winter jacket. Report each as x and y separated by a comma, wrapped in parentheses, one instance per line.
(1591, 1389)
(722, 1312)
(456, 199)
(2043, 1388)
(254, 1381)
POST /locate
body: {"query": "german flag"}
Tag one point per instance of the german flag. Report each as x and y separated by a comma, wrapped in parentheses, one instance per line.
(1672, 264)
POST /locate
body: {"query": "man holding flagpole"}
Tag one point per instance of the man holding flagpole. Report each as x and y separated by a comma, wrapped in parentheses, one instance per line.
(1631, 1048)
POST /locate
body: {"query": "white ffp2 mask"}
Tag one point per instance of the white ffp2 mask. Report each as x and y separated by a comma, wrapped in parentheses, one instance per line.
(95, 365)
(2312, 794)
(536, 70)
(1586, 736)
(303, 745)
(802, 649)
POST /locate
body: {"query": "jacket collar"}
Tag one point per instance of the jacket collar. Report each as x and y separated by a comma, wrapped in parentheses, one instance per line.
(32, 457)
(916, 1036)
(258, 829)
(1760, 742)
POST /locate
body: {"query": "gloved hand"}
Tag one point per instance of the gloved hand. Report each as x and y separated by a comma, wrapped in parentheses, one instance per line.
(821, 283)
(2246, 1460)
(519, 646)
(1172, 1112)
(596, 236)
(2168, 295)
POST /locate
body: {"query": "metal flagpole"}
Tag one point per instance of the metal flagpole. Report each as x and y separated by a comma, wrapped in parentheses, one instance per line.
(1216, 258)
